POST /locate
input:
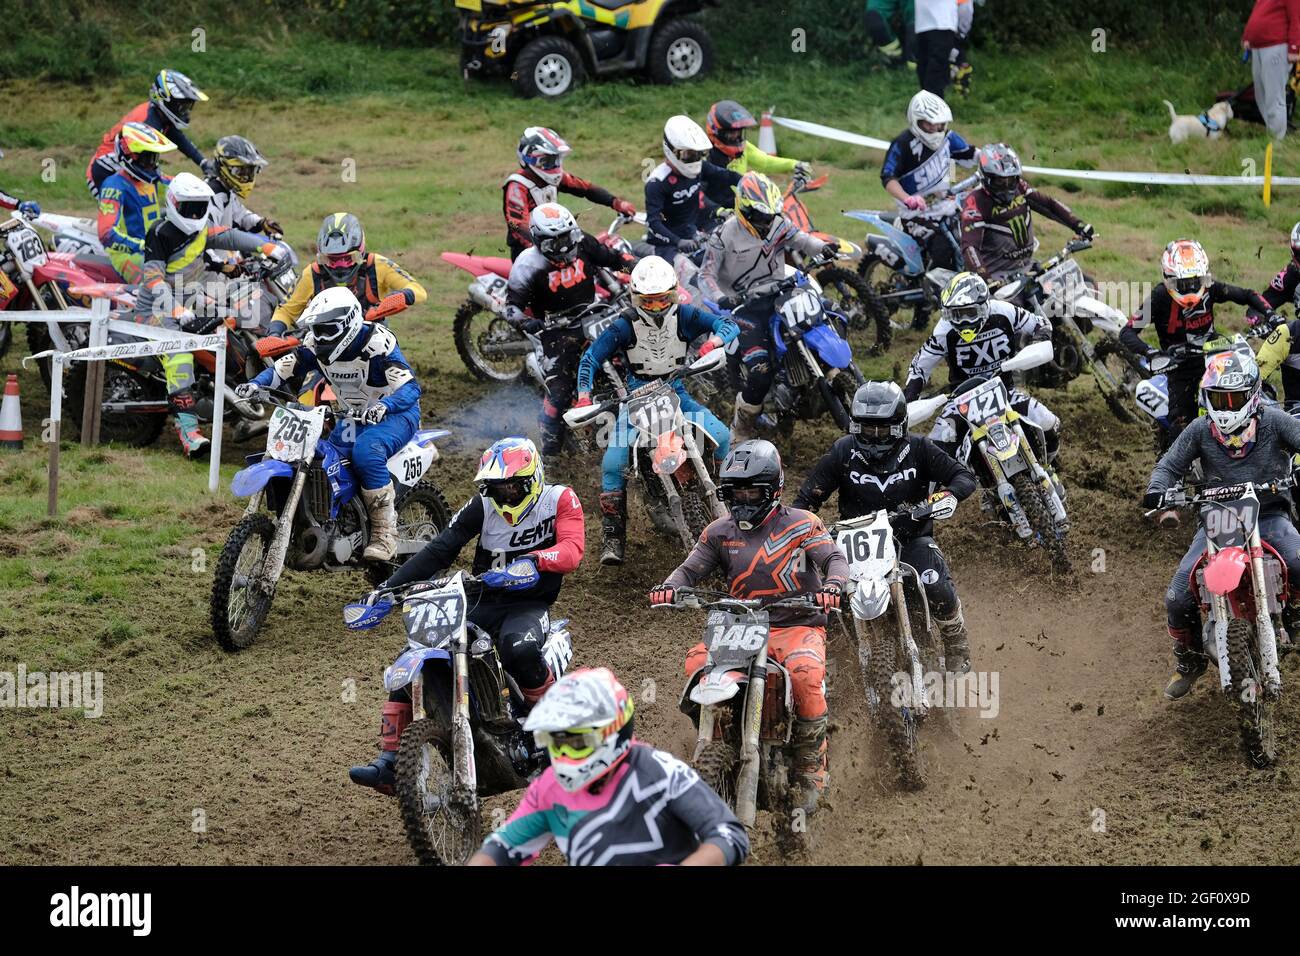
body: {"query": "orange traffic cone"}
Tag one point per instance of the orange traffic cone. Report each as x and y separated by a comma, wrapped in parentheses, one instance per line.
(11, 416)
(767, 133)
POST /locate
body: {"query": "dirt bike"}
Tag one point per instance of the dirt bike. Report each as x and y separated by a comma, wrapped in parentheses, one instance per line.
(1009, 462)
(668, 453)
(465, 740)
(742, 703)
(314, 518)
(898, 641)
(849, 293)
(1241, 585)
(815, 369)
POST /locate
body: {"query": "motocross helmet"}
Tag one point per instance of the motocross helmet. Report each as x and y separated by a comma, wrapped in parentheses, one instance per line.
(334, 320)
(726, 125)
(542, 151)
(510, 477)
(750, 482)
(341, 247)
(585, 723)
(1230, 396)
(685, 145)
(175, 95)
(555, 233)
(999, 171)
(758, 207)
(878, 419)
(138, 146)
(1186, 270)
(1295, 243)
(965, 304)
(189, 199)
(928, 117)
(238, 163)
(654, 290)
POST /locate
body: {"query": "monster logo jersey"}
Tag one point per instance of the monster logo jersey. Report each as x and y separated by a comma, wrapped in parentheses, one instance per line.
(552, 533)
(999, 339)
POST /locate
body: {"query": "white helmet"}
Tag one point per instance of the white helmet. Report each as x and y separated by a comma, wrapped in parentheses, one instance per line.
(554, 232)
(930, 108)
(585, 723)
(654, 290)
(188, 201)
(334, 320)
(685, 145)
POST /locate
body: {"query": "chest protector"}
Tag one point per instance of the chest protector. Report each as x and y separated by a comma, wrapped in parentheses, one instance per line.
(364, 379)
(365, 286)
(654, 352)
(500, 542)
(538, 193)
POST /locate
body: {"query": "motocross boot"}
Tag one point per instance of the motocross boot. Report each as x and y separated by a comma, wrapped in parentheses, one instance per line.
(1291, 620)
(552, 427)
(379, 773)
(956, 643)
(193, 442)
(1190, 665)
(808, 756)
(613, 526)
(383, 523)
(744, 424)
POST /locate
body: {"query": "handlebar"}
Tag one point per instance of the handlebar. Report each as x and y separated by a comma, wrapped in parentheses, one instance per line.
(1177, 497)
(578, 417)
(704, 599)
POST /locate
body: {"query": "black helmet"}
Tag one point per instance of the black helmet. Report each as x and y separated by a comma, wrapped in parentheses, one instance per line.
(878, 418)
(999, 171)
(341, 247)
(756, 465)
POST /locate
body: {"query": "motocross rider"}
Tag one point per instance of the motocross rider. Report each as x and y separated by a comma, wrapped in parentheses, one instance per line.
(366, 369)
(767, 550)
(1237, 440)
(129, 204)
(27, 207)
(976, 334)
(743, 261)
(530, 535)
(381, 286)
(878, 465)
(171, 97)
(678, 212)
(539, 179)
(175, 259)
(916, 165)
(1281, 348)
(897, 51)
(997, 218)
(556, 273)
(654, 337)
(725, 126)
(1182, 311)
(237, 163)
(605, 792)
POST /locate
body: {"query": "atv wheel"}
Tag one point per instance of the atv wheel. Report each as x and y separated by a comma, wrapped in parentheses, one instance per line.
(681, 50)
(239, 607)
(548, 67)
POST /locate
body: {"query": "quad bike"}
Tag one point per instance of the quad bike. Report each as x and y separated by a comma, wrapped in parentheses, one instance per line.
(547, 47)
(669, 454)
(898, 640)
(314, 519)
(742, 703)
(1241, 585)
(465, 741)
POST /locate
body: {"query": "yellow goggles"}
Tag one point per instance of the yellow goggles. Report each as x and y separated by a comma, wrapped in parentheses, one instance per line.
(575, 744)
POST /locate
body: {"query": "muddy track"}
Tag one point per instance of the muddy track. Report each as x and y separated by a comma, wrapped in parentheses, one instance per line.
(1084, 761)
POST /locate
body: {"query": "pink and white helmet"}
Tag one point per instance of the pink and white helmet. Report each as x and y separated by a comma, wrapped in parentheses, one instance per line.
(1230, 396)
(542, 151)
(585, 723)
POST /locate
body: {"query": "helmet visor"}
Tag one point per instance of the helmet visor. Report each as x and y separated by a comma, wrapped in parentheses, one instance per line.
(240, 172)
(966, 316)
(1225, 401)
(145, 159)
(928, 127)
(507, 493)
(1003, 187)
(181, 107)
(1188, 285)
(731, 137)
(760, 220)
(575, 744)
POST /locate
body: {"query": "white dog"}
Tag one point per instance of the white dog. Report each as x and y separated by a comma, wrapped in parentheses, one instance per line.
(1209, 125)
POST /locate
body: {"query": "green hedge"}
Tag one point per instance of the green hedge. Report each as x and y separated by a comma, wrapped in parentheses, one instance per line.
(54, 39)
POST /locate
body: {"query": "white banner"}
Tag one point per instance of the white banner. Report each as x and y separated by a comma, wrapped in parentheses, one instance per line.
(1161, 179)
(189, 343)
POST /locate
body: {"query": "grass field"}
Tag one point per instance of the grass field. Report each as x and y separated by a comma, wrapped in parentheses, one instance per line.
(119, 581)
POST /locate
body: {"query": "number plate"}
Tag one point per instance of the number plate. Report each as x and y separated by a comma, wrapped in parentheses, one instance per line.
(1151, 398)
(594, 327)
(867, 548)
(1064, 283)
(734, 640)
(656, 413)
(434, 618)
(494, 287)
(1228, 524)
(27, 249)
(293, 433)
(800, 307)
(983, 402)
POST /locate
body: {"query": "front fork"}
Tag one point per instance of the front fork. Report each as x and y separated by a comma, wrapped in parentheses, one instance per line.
(1264, 631)
(274, 564)
(750, 757)
(920, 702)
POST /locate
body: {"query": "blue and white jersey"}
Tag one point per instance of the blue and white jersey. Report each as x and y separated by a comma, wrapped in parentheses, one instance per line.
(921, 170)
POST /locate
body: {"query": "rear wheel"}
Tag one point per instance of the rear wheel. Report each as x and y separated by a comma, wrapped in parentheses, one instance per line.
(421, 516)
(1050, 537)
(1254, 707)
(680, 50)
(137, 429)
(894, 712)
(440, 828)
(240, 603)
(548, 67)
(853, 296)
(695, 509)
(480, 336)
(882, 279)
(716, 766)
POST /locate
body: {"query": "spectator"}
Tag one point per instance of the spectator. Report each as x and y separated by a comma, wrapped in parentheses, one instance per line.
(1272, 36)
(936, 35)
(962, 71)
(896, 49)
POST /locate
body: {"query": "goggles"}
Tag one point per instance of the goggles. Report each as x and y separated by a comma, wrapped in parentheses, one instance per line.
(656, 301)
(876, 430)
(575, 744)
(193, 208)
(746, 495)
(689, 155)
(507, 493)
(1222, 401)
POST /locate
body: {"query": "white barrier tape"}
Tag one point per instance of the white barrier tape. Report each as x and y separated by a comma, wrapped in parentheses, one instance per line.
(189, 343)
(1154, 179)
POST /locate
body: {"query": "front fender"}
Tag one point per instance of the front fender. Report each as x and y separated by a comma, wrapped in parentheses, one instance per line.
(249, 481)
(871, 599)
(403, 670)
(828, 346)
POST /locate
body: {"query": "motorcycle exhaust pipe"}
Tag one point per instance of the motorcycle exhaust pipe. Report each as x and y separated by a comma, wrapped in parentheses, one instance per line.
(483, 299)
(135, 408)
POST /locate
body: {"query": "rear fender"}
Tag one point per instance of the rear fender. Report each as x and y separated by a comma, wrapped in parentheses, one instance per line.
(689, 704)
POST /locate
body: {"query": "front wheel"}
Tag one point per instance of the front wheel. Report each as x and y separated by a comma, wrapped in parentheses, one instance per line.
(1254, 706)
(852, 295)
(240, 600)
(1050, 537)
(441, 827)
(839, 396)
(894, 711)
(488, 344)
(717, 766)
